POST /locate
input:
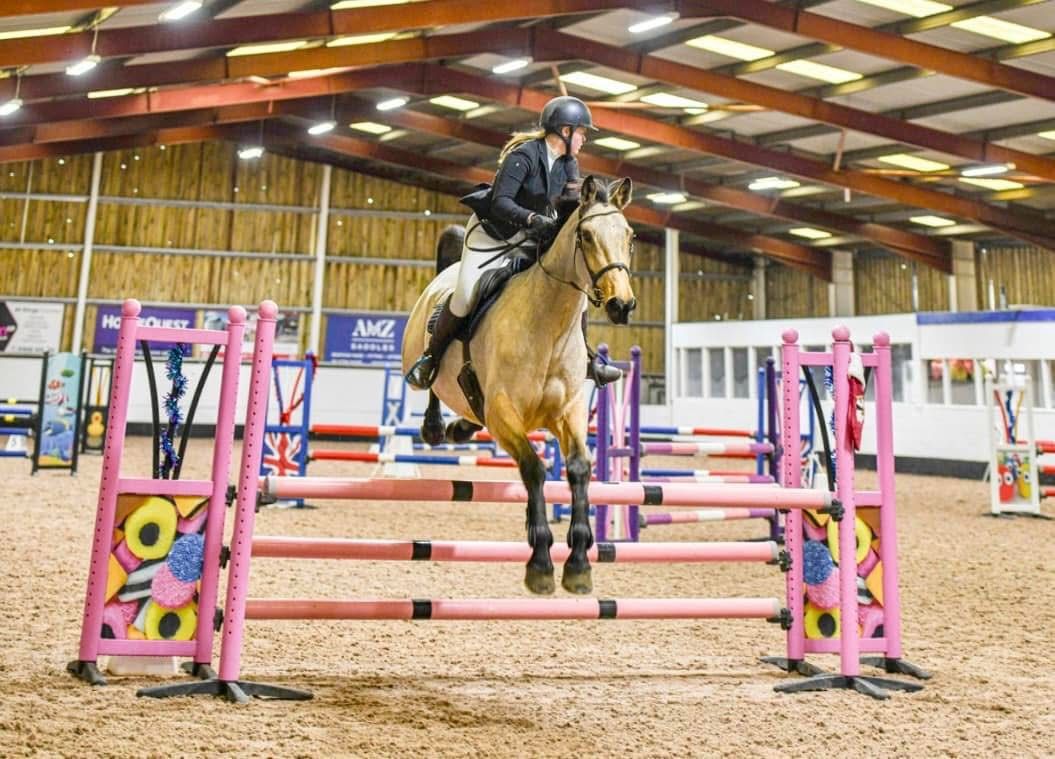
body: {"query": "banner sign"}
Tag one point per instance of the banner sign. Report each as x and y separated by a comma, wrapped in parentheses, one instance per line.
(287, 333)
(365, 338)
(59, 410)
(30, 326)
(108, 322)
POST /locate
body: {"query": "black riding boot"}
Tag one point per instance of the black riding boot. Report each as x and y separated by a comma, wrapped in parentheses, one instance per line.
(423, 373)
(600, 373)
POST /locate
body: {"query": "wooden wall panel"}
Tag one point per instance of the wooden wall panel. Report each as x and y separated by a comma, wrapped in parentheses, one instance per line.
(883, 285)
(793, 294)
(1026, 274)
(45, 273)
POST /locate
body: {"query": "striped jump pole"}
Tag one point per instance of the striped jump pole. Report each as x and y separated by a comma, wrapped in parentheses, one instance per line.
(379, 431)
(1047, 492)
(704, 475)
(1046, 446)
(742, 450)
(507, 551)
(707, 515)
(482, 609)
(370, 457)
(696, 431)
(455, 447)
(619, 493)
(745, 479)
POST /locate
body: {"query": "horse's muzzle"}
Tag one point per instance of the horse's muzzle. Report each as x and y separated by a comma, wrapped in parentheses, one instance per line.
(619, 310)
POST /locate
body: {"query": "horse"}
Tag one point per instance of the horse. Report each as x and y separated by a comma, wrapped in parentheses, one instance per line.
(529, 356)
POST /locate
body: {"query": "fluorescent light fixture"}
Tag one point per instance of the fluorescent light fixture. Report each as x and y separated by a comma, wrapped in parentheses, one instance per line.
(344, 5)
(180, 10)
(809, 233)
(649, 24)
(44, 31)
(914, 163)
(814, 70)
(729, 48)
(617, 143)
(993, 184)
(667, 198)
(322, 127)
(371, 127)
(454, 103)
(83, 66)
(483, 110)
(915, 8)
(772, 183)
(598, 83)
(312, 73)
(990, 170)
(1004, 31)
(670, 100)
(1047, 135)
(250, 152)
(10, 106)
(98, 94)
(514, 65)
(932, 221)
(268, 47)
(392, 104)
(360, 39)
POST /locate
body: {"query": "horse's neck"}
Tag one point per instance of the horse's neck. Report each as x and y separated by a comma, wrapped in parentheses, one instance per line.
(553, 299)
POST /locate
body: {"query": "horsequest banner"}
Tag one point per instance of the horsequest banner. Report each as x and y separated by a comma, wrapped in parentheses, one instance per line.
(108, 322)
(368, 339)
(30, 326)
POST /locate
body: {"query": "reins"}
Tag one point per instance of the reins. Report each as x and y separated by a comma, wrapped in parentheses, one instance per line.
(594, 294)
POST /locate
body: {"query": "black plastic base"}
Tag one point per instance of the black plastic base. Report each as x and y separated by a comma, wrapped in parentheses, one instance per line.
(876, 687)
(87, 671)
(238, 691)
(896, 667)
(797, 666)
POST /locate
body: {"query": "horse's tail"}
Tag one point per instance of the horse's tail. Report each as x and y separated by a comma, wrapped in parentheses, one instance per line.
(449, 247)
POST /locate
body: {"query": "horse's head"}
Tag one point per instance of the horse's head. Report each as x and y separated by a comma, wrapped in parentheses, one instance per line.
(607, 242)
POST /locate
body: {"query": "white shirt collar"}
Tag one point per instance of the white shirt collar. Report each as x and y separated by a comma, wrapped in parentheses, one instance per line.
(551, 157)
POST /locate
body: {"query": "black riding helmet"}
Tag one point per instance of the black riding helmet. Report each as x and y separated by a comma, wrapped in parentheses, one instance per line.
(565, 111)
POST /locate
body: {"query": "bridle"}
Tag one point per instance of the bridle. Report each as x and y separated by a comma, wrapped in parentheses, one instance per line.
(594, 293)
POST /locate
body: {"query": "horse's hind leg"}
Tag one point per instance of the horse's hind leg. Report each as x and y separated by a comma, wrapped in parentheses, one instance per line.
(576, 577)
(461, 431)
(506, 425)
(433, 430)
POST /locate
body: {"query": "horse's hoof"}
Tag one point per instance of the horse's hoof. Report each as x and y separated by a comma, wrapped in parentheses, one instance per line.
(539, 583)
(579, 583)
(433, 434)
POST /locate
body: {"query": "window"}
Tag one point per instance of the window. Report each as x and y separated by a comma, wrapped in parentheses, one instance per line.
(741, 376)
(935, 378)
(961, 381)
(716, 358)
(901, 370)
(761, 354)
(693, 372)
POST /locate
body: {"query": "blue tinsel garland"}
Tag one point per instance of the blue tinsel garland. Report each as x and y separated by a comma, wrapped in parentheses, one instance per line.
(174, 372)
(829, 385)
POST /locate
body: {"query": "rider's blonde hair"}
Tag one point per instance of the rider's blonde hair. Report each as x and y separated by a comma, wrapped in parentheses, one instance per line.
(518, 139)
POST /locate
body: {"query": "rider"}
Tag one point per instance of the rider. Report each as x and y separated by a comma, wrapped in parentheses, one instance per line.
(537, 176)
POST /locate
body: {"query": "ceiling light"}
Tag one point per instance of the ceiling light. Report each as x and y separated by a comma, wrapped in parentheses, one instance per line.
(617, 143)
(514, 65)
(772, 183)
(730, 48)
(669, 100)
(932, 221)
(312, 73)
(10, 106)
(269, 47)
(915, 163)
(360, 39)
(989, 170)
(180, 10)
(810, 233)
(322, 127)
(250, 152)
(346, 4)
(824, 73)
(483, 110)
(371, 127)
(454, 103)
(667, 198)
(916, 8)
(599, 83)
(993, 184)
(1005, 31)
(1047, 135)
(649, 24)
(46, 31)
(391, 104)
(83, 66)
(97, 94)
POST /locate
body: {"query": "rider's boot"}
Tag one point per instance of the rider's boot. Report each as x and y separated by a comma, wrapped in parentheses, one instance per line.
(601, 373)
(423, 373)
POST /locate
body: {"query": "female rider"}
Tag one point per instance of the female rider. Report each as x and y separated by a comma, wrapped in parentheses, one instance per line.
(534, 169)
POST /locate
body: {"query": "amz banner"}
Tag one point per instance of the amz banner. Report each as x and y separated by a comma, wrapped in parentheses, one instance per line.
(368, 339)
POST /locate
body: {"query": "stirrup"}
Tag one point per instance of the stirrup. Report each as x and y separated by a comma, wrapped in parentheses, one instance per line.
(423, 373)
(603, 374)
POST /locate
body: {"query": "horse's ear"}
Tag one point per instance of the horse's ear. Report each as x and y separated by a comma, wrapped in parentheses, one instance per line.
(588, 192)
(621, 193)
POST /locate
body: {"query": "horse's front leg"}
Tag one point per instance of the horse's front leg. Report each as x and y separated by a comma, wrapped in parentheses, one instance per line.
(507, 426)
(433, 429)
(570, 430)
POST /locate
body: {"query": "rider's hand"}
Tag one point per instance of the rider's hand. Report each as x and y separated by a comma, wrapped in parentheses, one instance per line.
(542, 225)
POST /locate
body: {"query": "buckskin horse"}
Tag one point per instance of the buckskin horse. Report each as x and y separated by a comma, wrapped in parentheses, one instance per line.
(529, 356)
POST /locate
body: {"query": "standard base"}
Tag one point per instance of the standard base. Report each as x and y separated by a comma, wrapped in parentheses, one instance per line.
(89, 671)
(798, 666)
(896, 667)
(1011, 514)
(876, 687)
(238, 691)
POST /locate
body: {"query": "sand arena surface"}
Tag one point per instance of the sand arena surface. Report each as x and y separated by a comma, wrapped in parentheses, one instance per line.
(979, 612)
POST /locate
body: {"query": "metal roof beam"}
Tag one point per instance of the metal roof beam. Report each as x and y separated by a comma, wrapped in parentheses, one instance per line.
(28, 7)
